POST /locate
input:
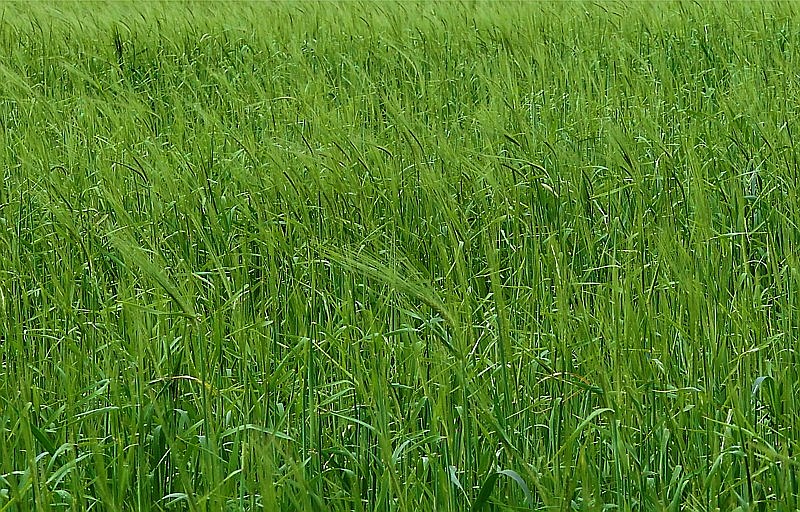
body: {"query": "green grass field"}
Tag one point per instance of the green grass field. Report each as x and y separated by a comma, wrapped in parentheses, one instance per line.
(399, 257)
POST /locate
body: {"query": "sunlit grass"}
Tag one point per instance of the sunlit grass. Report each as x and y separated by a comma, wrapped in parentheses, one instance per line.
(378, 256)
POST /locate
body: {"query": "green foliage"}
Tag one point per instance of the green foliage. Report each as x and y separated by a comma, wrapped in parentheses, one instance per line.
(399, 256)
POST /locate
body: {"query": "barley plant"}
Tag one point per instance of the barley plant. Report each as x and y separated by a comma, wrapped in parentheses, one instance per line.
(372, 256)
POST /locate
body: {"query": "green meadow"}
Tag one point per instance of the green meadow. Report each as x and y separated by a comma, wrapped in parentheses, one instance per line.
(373, 256)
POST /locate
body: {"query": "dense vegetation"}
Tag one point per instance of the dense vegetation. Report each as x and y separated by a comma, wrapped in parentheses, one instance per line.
(372, 256)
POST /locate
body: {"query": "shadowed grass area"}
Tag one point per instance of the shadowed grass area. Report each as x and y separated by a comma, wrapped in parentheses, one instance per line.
(382, 256)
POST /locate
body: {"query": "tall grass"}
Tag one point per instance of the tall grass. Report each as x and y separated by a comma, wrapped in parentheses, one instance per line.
(424, 256)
